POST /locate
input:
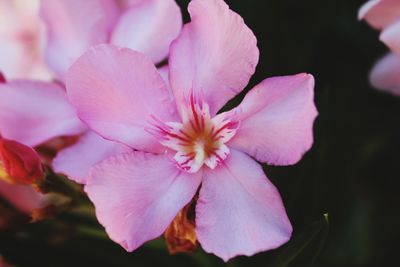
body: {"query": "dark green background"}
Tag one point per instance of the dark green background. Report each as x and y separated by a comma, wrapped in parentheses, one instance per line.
(352, 172)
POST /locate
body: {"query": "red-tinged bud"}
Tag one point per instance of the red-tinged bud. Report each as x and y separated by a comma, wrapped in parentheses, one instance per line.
(180, 236)
(19, 163)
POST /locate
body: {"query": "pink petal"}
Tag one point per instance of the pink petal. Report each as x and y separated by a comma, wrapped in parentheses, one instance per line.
(21, 36)
(391, 36)
(215, 55)
(73, 26)
(124, 4)
(76, 160)
(277, 120)
(33, 112)
(138, 194)
(149, 27)
(164, 72)
(23, 197)
(239, 211)
(380, 13)
(386, 74)
(115, 91)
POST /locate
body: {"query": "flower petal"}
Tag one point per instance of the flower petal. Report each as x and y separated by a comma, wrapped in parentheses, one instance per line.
(215, 55)
(380, 13)
(23, 197)
(239, 211)
(164, 72)
(115, 91)
(21, 35)
(137, 195)
(33, 112)
(75, 161)
(73, 26)
(386, 74)
(391, 36)
(277, 120)
(149, 27)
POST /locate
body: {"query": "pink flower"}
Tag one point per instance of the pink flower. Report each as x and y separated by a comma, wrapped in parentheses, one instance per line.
(21, 38)
(181, 143)
(384, 15)
(148, 26)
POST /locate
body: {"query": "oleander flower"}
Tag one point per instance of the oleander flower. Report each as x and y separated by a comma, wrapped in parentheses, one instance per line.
(148, 26)
(183, 146)
(384, 15)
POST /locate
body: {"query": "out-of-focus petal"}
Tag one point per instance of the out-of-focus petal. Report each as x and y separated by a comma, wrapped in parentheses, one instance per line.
(115, 91)
(137, 195)
(21, 38)
(391, 36)
(277, 120)
(215, 55)
(73, 26)
(75, 161)
(125, 4)
(149, 27)
(23, 197)
(386, 74)
(33, 112)
(239, 211)
(380, 13)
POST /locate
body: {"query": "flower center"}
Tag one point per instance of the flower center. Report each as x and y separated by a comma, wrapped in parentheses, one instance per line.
(199, 139)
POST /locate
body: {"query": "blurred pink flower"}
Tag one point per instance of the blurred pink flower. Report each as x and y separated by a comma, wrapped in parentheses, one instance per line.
(148, 26)
(384, 15)
(181, 142)
(21, 38)
(72, 26)
(32, 112)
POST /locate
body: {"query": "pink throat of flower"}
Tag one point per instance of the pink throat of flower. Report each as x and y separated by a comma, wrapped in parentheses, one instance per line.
(199, 139)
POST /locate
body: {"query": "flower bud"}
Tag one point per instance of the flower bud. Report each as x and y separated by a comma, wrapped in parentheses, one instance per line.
(180, 235)
(19, 163)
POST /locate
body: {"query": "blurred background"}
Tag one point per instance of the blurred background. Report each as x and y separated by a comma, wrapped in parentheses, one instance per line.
(342, 198)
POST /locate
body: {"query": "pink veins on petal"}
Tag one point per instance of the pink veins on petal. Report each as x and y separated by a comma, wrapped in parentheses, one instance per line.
(199, 139)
